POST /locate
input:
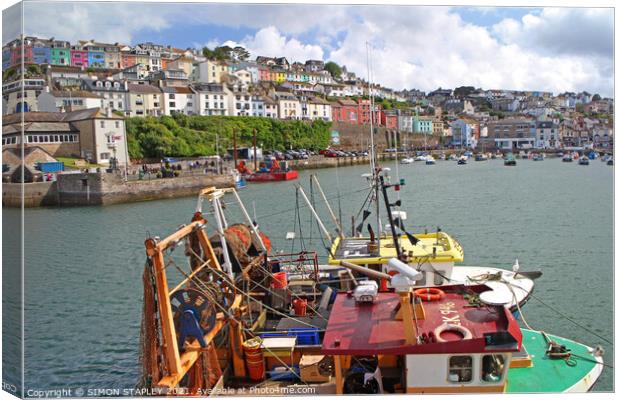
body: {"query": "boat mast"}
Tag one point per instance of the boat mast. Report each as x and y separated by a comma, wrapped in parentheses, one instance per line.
(373, 155)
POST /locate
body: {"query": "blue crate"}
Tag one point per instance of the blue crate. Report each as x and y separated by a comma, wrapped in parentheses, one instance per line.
(305, 336)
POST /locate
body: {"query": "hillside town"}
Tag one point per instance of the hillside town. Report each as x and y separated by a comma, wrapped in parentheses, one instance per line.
(105, 83)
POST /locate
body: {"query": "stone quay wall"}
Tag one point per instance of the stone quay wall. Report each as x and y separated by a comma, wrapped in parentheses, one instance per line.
(82, 189)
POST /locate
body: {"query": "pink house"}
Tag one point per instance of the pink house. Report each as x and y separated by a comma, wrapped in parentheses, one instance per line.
(79, 58)
(263, 74)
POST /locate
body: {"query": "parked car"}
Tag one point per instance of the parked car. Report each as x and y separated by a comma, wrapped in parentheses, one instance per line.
(330, 153)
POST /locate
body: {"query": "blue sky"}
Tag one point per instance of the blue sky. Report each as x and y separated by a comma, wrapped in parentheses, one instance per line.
(555, 49)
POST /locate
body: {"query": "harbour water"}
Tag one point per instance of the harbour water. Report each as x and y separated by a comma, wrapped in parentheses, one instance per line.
(84, 265)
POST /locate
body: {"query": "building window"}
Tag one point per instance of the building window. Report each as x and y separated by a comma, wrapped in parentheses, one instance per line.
(493, 366)
(104, 156)
(102, 124)
(171, 95)
(117, 124)
(460, 369)
(171, 104)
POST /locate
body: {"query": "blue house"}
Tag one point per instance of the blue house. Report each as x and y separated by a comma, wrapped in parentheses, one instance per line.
(41, 55)
(96, 59)
(463, 134)
(6, 58)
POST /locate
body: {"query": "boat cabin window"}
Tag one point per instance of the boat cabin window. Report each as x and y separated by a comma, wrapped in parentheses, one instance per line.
(460, 369)
(493, 366)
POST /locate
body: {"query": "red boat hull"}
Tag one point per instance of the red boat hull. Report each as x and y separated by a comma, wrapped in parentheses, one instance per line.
(272, 176)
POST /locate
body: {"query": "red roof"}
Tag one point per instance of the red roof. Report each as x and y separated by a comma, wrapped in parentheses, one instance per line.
(371, 329)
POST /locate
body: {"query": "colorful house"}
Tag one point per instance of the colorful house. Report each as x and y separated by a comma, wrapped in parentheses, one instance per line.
(389, 119)
(345, 110)
(6, 58)
(60, 56)
(17, 55)
(127, 60)
(423, 125)
(364, 112)
(263, 74)
(96, 59)
(79, 58)
(41, 55)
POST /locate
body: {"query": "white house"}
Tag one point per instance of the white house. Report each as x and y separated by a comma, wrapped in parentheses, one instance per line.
(179, 99)
(289, 106)
(65, 100)
(211, 99)
(239, 102)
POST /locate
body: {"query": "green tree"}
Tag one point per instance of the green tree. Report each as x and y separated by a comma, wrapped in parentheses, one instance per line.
(463, 91)
(185, 136)
(596, 97)
(333, 68)
(239, 53)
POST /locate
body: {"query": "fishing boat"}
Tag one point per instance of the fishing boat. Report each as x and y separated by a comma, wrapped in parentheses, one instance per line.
(462, 160)
(481, 157)
(272, 176)
(430, 160)
(610, 161)
(584, 160)
(538, 157)
(234, 319)
(447, 343)
(436, 254)
(510, 160)
(407, 160)
(421, 157)
(567, 158)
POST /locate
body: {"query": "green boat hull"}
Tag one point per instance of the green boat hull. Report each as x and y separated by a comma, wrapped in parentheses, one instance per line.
(554, 375)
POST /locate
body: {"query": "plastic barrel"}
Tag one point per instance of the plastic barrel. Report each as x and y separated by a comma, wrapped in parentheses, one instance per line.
(300, 306)
(256, 369)
(254, 358)
(279, 280)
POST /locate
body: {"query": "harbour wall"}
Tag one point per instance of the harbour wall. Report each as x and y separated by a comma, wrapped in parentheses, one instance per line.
(34, 194)
(357, 137)
(81, 189)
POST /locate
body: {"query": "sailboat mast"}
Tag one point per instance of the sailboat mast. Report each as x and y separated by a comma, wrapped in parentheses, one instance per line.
(374, 166)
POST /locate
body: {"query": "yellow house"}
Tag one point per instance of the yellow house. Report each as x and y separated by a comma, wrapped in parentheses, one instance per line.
(280, 76)
(212, 71)
(319, 108)
(184, 63)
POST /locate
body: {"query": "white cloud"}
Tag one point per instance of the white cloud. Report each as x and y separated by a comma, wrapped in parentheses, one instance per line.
(105, 22)
(271, 43)
(553, 49)
(577, 31)
(433, 47)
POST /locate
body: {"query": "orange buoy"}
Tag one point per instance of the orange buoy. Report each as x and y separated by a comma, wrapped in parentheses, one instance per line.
(430, 294)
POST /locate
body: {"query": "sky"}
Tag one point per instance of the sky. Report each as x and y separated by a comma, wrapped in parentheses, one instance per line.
(422, 47)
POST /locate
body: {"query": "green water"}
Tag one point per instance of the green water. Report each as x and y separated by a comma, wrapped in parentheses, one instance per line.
(83, 286)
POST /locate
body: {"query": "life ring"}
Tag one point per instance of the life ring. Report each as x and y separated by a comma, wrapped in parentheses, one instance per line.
(430, 294)
(466, 333)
